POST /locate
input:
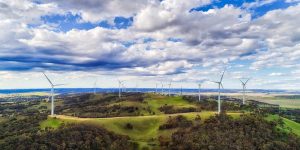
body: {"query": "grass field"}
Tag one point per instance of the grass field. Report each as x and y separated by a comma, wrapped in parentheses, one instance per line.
(283, 102)
(288, 124)
(145, 128)
(156, 101)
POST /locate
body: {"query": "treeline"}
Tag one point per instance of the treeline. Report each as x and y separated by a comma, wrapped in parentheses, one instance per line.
(224, 132)
(72, 136)
(210, 103)
(23, 108)
(170, 109)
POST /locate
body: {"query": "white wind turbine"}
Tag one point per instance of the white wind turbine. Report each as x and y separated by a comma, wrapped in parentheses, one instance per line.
(156, 87)
(181, 89)
(169, 93)
(52, 93)
(199, 88)
(95, 86)
(244, 88)
(120, 86)
(124, 88)
(219, 91)
(162, 88)
(136, 87)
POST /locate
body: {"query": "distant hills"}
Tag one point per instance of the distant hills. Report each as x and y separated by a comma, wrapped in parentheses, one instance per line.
(173, 90)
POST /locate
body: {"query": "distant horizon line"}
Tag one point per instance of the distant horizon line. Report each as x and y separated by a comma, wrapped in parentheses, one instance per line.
(148, 88)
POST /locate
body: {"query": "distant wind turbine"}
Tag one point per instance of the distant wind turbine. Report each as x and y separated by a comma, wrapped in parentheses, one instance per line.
(170, 88)
(124, 87)
(136, 87)
(156, 87)
(162, 88)
(180, 90)
(120, 86)
(199, 88)
(244, 88)
(219, 87)
(52, 93)
(95, 86)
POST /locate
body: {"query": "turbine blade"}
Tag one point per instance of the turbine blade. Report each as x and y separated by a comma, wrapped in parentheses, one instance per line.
(221, 85)
(222, 75)
(247, 81)
(59, 84)
(241, 80)
(48, 78)
(215, 82)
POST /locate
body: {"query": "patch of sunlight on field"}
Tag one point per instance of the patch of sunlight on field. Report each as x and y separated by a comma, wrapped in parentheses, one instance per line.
(283, 102)
(156, 101)
(51, 122)
(294, 126)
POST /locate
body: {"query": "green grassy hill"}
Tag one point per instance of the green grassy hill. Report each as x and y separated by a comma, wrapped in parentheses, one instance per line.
(289, 125)
(145, 125)
(145, 129)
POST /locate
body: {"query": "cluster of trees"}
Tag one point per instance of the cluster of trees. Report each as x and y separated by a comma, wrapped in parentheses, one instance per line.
(210, 103)
(170, 109)
(107, 111)
(72, 136)
(223, 132)
(293, 114)
(94, 106)
(20, 108)
(176, 122)
(20, 126)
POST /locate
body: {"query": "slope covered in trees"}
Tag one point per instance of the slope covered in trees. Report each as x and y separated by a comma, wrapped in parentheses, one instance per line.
(223, 132)
(80, 136)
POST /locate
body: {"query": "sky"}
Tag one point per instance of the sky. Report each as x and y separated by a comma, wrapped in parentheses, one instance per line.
(149, 42)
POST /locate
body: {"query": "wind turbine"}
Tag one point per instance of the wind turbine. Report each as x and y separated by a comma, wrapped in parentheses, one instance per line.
(95, 86)
(244, 88)
(162, 88)
(156, 87)
(170, 88)
(124, 87)
(199, 96)
(219, 91)
(181, 90)
(52, 93)
(136, 87)
(120, 84)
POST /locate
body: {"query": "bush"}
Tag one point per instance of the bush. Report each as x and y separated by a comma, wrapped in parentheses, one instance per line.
(175, 122)
(170, 109)
(129, 126)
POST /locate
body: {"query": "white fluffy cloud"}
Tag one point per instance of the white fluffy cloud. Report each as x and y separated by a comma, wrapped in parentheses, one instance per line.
(180, 41)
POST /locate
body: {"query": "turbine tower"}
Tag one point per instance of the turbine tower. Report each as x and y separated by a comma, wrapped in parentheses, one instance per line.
(52, 93)
(180, 90)
(170, 88)
(199, 96)
(136, 87)
(120, 86)
(244, 88)
(162, 88)
(95, 86)
(155, 87)
(219, 91)
(124, 88)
